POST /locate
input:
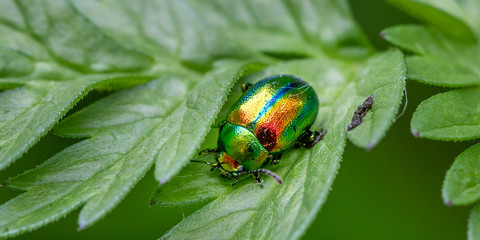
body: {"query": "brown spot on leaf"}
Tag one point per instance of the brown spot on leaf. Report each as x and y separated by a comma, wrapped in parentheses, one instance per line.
(360, 113)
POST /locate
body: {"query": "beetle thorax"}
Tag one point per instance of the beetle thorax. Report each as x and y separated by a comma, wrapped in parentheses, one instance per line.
(241, 145)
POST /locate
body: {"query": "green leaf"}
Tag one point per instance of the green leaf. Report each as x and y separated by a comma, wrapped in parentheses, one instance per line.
(474, 223)
(85, 48)
(273, 27)
(177, 29)
(13, 63)
(306, 28)
(441, 72)
(453, 115)
(454, 17)
(462, 183)
(285, 211)
(28, 112)
(44, 58)
(447, 56)
(388, 85)
(443, 61)
(125, 141)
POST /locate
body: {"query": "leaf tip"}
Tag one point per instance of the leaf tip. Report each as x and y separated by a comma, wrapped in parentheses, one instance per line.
(152, 202)
(81, 226)
(447, 203)
(416, 134)
(382, 34)
(369, 147)
(4, 184)
(163, 181)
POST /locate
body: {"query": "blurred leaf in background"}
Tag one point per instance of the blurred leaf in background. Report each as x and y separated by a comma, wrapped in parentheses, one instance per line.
(446, 56)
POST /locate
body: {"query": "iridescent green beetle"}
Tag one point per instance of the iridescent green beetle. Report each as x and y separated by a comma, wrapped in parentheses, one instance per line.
(272, 116)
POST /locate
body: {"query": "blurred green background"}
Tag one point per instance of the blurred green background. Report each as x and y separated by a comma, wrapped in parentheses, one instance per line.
(391, 192)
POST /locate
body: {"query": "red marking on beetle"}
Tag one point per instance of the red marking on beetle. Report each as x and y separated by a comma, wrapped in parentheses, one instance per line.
(267, 137)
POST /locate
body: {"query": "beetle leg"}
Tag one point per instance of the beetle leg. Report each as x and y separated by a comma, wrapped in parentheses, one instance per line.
(317, 136)
(271, 174)
(208, 151)
(213, 165)
(235, 180)
(274, 158)
(310, 139)
(258, 179)
(270, 158)
(266, 172)
(219, 125)
(246, 86)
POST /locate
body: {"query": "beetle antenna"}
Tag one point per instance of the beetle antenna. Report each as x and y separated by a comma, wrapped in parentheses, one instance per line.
(208, 151)
(199, 161)
(271, 174)
(266, 172)
(213, 165)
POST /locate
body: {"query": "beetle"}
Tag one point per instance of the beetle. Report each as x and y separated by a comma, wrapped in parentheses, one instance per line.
(271, 117)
